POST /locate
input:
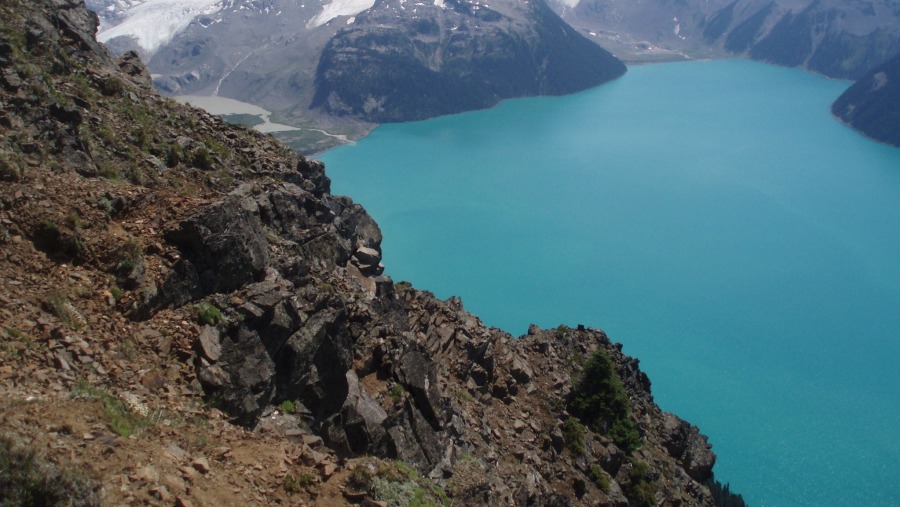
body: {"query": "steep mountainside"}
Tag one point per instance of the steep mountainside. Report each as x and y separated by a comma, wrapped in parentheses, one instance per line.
(188, 316)
(872, 104)
(837, 38)
(453, 56)
(362, 61)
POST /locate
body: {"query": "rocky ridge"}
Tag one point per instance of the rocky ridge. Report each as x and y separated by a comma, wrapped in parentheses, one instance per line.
(188, 316)
(872, 104)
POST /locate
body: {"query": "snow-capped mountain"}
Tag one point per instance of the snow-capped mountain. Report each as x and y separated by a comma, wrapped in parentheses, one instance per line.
(153, 23)
(838, 38)
(360, 60)
(147, 25)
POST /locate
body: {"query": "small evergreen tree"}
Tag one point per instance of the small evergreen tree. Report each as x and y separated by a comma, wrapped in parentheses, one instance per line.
(723, 496)
(599, 400)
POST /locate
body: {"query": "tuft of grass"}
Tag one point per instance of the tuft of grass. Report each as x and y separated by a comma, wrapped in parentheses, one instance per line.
(123, 421)
(174, 155)
(287, 407)
(202, 158)
(396, 393)
(464, 395)
(58, 304)
(128, 349)
(291, 484)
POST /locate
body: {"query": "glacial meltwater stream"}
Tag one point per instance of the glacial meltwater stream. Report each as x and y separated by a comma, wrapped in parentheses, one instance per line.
(712, 217)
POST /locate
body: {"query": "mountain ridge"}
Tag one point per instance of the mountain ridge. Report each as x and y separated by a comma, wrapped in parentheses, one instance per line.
(836, 38)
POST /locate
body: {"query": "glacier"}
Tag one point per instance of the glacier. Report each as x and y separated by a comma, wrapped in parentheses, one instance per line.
(155, 22)
(339, 8)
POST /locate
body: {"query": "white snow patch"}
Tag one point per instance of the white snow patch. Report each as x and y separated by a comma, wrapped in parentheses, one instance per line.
(439, 3)
(155, 22)
(351, 20)
(570, 3)
(339, 8)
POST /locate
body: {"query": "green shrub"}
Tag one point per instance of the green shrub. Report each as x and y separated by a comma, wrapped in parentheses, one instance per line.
(641, 487)
(599, 400)
(112, 85)
(287, 406)
(208, 314)
(396, 484)
(600, 478)
(573, 432)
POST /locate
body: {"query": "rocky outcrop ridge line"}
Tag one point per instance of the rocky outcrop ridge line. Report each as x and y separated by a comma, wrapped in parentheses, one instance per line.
(872, 104)
(188, 316)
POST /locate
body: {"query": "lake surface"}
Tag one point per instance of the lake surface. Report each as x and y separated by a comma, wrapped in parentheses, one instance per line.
(710, 216)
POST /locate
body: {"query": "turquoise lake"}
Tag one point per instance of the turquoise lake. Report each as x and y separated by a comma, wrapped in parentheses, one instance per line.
(712, 217)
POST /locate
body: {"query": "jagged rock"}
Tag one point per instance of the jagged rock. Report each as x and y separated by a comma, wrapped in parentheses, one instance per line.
(131, 65)
(201, 465)
(313, 363)
(418, 376)
(361, 429)
(243, 381)
(366, 255)
(11, 78)
(685, 443)
(210, 343)
(521, 371)
(312, 176)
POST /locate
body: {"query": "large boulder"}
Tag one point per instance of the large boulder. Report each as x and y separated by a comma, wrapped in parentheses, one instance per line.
(223, 248)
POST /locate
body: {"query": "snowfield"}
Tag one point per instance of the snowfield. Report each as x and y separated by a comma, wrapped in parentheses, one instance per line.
(154, 22)
(339, 8)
